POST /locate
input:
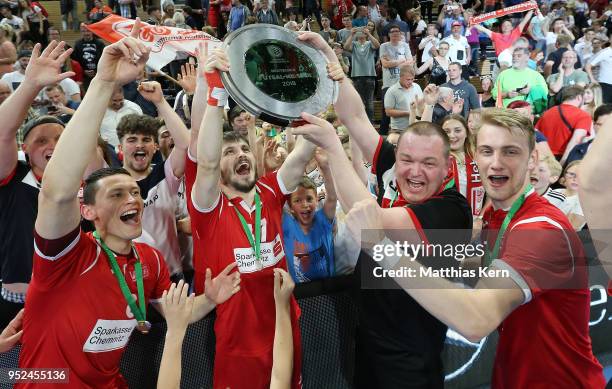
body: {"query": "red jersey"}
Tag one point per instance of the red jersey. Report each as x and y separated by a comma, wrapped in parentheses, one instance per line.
(544, 342)
(468, 183)
(245, 324)
(557, 132)
(76, 316)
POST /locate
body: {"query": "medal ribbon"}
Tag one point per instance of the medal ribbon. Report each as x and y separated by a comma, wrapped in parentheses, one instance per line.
(140, 313)
(255, 242)
(490, 256)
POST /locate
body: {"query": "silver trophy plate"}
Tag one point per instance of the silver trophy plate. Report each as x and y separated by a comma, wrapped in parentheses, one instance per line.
(274, 76)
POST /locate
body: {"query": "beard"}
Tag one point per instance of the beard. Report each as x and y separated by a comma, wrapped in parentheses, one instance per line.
(241, 186)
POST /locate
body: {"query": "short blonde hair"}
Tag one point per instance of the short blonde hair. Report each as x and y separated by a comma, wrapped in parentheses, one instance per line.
(511, 120)
(553, 165)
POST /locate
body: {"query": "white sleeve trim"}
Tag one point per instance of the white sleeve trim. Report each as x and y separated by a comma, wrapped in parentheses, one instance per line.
(282, 186)
(206, 210)
(190, 156)
(173, 181)
(62, 253)
(516, 277)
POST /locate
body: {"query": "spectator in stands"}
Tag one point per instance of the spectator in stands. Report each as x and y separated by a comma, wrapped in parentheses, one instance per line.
(430, 41)
(307, 231)
(374, 11)
(558, 27)
(394, 20)
(240, 121)
(15, 22)
(60, 107)
(124, 8)
(8, 51)
(346, 31)
(503, 40)
(473, 121)
(602, 113)
(363, 48)
(168, 10)
(451, 15)
(546, 173)
(465, 175)
(191, 17)
(437, 64)
(393, 55)
(459, 48)
(100, 11)
(439, 103)
(361, 17)
(486, 97)
(521, 83)
(584, 45)
(571, 182)
(593, 98)
(118, 107)
(155, 15)
(343, 7)
(14, 78)
(87, 52)
(68, 9)
(565, 125)
(525, 109)
(563, 44)
(266, 14)
(312, 7)
(462, 89)
(238, 15)
(568, 74)
(37, 23)
(342, 58)
(327, 32)
(603, 59)
(399, 97)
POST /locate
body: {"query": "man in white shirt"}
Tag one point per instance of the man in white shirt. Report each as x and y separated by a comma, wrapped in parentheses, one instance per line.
(399, 97)
(604, 60)
(459, 48)
(8, 18)
(117, 108)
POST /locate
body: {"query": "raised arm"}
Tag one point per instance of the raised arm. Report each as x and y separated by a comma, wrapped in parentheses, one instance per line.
(484, 30)
(206, 188)
(348, 45)
(199, 97)
(424, 67)
(331, 199)
(349, 105)
(292, 170)
(372, 38)
(525, 20)
(43, 69)
(152, 92)
(282, 353)
(594, 192)
(58, 206)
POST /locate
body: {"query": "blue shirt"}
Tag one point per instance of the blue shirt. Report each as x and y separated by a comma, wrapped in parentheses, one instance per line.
(309, 257)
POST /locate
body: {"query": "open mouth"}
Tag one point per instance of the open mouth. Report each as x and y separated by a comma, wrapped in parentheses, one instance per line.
(497, 181)
(243, 168)
(48, 156)
(415, 185)
(130, 217)
(140, 156)
(533, 180)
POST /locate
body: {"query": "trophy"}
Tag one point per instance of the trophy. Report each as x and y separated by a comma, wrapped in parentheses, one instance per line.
(276, 77)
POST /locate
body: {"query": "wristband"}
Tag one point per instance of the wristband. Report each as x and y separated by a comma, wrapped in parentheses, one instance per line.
(217, 95)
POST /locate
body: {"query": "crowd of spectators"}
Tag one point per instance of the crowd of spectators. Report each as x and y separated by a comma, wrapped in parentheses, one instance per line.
(552, 65)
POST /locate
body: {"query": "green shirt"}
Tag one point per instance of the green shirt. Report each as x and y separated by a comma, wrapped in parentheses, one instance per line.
(513, 79)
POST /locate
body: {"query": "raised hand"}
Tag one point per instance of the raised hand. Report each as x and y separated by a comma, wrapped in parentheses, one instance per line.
(283, 287)
(321, 158)
(46, 68)
(315, 40)
(217, 60)
(177, 306)
(187, 78)
(201, 54)
(318, 131)
(12, 333)
(458, 106)
(123, 61)
(272, 158)
(151, 91)
(222, 287)
(430, 94)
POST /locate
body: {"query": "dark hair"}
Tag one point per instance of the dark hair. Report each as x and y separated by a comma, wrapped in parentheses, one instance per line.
(234, 113)
(602, 110)
(571, 92)
(138, 124)
(307, 183)
(234, 137)
(91, 188)
(188, 10)
(392, 26)
(152, 8)
(428, 129)
(455, 63)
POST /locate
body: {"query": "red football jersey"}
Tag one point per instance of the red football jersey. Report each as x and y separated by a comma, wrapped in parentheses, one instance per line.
(76, 316)
(245, 324)
(544, 342)
(557, 132)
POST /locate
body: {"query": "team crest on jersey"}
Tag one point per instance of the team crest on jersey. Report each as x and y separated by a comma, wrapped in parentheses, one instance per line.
(145, 272)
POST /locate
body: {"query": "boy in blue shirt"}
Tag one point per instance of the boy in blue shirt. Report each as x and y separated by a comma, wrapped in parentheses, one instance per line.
(308, 232)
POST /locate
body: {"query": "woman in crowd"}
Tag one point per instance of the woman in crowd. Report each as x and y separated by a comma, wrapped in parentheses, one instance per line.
(8, 52)
(437, 65)
(36, 25)
(593, 98)
(486, 98)
(473, 121)
(570, 182)
(464, 171)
